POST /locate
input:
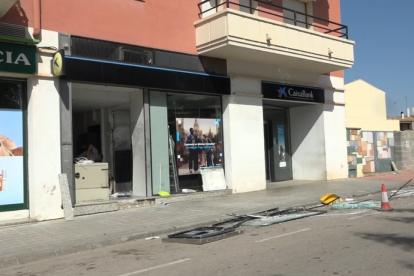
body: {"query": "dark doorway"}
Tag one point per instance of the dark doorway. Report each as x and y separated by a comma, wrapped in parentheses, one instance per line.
(94, 137)
(267, 150)
(277, 142)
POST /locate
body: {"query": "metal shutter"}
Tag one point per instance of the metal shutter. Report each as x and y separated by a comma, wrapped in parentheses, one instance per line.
(296, 6)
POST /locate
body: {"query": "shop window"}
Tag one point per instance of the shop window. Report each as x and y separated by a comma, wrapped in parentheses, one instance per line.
(186, 138)
(12, 150)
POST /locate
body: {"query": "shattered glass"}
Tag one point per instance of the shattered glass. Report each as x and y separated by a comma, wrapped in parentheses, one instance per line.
(356, 205)
(266, 221)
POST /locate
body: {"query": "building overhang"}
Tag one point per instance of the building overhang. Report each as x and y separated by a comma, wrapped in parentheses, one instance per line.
(5, 6)
(231, 34)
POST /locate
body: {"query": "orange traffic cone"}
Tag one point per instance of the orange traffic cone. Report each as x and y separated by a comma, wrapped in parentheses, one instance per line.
(385, 204)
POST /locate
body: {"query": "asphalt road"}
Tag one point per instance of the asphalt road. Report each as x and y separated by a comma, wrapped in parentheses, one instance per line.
(351, 242)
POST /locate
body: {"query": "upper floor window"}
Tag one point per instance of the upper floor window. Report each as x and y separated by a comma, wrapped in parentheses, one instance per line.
(289, 16)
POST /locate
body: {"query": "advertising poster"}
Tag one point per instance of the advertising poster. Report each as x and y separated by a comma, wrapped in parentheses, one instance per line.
(11, 157)
(282, 145)
(198, 144)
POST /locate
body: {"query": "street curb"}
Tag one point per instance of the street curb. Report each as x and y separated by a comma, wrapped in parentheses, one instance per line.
(58, 252)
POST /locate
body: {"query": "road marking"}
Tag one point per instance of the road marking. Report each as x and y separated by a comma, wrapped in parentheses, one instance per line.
(154, 267)
(342, 214)
(362, 216)
(287, 234)
(409, 204)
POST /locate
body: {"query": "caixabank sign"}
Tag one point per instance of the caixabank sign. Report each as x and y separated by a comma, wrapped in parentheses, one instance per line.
(18, 58)
(287, 92)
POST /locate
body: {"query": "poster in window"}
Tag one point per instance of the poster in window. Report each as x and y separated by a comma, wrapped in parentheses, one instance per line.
(11, 148)
(198, 144)
(282, 145)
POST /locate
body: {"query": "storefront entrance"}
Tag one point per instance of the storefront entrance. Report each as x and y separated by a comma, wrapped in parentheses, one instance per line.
(101, 118)
(186, 138)
(278, 156)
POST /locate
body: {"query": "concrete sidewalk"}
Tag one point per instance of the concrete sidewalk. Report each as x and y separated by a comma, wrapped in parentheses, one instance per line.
(29, 242)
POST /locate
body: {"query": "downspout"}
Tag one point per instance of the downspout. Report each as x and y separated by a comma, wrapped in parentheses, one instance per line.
(37, 26)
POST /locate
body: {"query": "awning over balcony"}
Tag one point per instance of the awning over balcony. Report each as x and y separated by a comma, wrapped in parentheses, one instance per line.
(231, 34)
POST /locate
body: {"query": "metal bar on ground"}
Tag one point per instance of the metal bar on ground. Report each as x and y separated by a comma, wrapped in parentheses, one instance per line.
(400, 189)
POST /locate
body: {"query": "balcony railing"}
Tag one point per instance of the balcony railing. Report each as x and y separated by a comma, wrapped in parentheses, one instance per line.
(331, 27)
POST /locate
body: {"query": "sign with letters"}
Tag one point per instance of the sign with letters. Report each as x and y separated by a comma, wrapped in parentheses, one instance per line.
(287, 92)
(18, 58)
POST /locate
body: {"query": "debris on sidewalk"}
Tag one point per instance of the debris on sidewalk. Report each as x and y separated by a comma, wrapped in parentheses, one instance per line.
(403, 193)
(328, 198)
(162, 203)
(394, 167)
(281, 216)
(152, 238)
(68, 210)
(365, 204)
(203, 235)
(272, 216)
(187, 191)
(399, 189)
(116, 195)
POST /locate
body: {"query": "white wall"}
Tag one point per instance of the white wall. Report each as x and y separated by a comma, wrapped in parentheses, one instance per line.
(13, 215)
(244, 143)
(273, 73)
(44, 148)
(139, 186)
(317, 131)
(308, 142)
(335, 142)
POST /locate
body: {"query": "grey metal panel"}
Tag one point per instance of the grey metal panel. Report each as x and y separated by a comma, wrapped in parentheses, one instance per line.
(147, 142)
(178, 61)
(64, 43)
(65, 93)
(187, 62)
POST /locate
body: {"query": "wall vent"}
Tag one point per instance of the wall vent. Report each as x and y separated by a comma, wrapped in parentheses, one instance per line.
(12, 30)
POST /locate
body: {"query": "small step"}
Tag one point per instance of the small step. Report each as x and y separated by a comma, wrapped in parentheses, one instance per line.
(95, 207)
(192, 196)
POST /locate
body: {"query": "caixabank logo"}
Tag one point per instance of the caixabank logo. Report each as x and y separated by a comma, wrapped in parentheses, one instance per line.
(287, 92)
(293, 93)
(282, 92)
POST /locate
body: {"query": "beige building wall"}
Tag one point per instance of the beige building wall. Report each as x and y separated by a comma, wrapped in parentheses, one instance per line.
(366, 108)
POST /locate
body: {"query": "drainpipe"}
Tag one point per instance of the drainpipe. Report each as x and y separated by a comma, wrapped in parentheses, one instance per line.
(37, 28)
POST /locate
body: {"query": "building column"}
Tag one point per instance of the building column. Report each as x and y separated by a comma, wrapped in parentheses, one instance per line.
(66, 135)
(244, 156)
(335, 142)
(44, 148)
(139, 187)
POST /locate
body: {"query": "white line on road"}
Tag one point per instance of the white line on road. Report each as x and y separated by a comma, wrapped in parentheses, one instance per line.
(409, 204)
(362, 216)
(287, 234)
(154, 267)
